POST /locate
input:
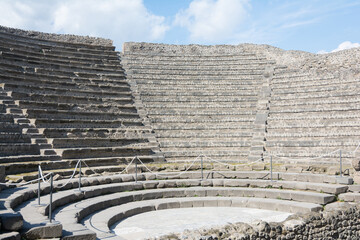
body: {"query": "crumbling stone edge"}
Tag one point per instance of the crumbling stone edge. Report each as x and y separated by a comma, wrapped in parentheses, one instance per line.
(58, 37)
(339, 220)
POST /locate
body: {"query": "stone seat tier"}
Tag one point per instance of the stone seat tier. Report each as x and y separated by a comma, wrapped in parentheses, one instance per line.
(93, 203)
(14, 137)
(86, 123)
(211, 64)
(77, 114)
(48, 45)
(95, 132)
(209, 151)
(7, 118)
(12, 61)
(196, 72)
(197, 93)
(317, 95)
(100, 152)
(181, 58)
(204, 119)
(25, 158)
(331, 115)
(166, 82)
(67, 83)
(63, 91)
(14, 149)
(71, 99)
(57, 61)
(166, 111)
(106, 108)
(202, 142)
(314, 102)
(13, 197)
(90, 205)
(10, 127)
(194, 87)
(315, 89)
(199, 99)
(334, 142)
(96, 142)
(311, 84)
(200, 105)
(303, 80)
(213, 133)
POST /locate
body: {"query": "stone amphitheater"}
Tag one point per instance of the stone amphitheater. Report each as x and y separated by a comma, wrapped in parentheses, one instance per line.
(159, 126)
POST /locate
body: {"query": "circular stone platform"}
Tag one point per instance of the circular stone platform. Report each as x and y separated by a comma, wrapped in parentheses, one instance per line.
(162, 222)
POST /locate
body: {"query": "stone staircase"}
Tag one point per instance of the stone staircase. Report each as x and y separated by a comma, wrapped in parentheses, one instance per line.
(312, 114)
(200, 102)
(67, 100)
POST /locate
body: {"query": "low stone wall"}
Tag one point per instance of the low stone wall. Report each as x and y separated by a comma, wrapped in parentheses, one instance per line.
(339, 220)
(58, 37)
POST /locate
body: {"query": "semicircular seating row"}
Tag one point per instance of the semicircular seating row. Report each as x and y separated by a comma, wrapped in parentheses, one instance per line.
(108, 199)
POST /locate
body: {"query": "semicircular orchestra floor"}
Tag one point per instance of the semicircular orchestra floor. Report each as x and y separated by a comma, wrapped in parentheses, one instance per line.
(163, 222)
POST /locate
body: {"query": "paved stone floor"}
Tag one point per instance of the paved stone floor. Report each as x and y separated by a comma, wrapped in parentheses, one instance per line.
(157, 223)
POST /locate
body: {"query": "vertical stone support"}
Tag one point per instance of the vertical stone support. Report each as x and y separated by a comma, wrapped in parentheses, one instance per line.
(257, 149)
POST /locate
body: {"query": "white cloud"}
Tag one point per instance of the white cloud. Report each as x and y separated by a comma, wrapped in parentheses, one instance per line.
(211, 21)
(346, 45)
(342, 46)
(120, 20)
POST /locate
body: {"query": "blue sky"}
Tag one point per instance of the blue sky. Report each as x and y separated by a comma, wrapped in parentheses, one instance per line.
(313, 26)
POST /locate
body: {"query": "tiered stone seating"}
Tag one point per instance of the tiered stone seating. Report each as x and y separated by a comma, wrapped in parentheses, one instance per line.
(312, 114)
(198, 102)
(107, 199)
(75, 96)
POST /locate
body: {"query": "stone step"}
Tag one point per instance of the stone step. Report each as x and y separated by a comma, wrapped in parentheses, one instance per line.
(198, 72)
(71, 99)
(201, 142)
(316, 95)
(209, 65)
(13, 149)
(86, 123)
(56, 63)
(14, 137)
(8, 118)
(198, 77)
(10, 127)
(213, 152)
(64, 92)
(79, 115)
(106, 108)
(47, 47)
(305, 116)
(200, 105)
(201, 112)
(60, 83)
(7, 75)
(200, 99)
(233, 119)
(101, 152)
(97, 142)
(209, 88)
(165, 82)
(200, 134)
(313, 102)
(136, 132)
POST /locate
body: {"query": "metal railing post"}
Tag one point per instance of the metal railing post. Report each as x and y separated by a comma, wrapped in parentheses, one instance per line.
(51, 192)
(39, 182)
(340, 164)
(136, 169)
(271, 169)
(202, 171)
(79, 175)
